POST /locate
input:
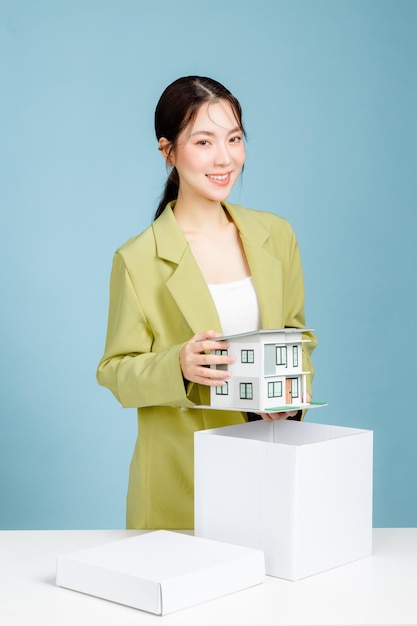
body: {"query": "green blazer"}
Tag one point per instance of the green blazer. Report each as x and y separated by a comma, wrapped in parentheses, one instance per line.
(158, 300)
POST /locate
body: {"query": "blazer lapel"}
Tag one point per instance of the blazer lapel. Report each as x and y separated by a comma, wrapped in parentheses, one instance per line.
(186, 283)
(266, 269)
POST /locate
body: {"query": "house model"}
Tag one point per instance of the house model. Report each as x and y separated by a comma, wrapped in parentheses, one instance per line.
(267, 374)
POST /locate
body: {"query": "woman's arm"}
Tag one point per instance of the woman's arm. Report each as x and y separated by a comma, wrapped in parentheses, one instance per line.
(136, 375)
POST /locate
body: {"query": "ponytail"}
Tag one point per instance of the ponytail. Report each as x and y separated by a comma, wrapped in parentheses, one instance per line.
(170, 192)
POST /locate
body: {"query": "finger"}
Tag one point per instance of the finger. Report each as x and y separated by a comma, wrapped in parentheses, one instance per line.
(265, 416)
(194, 350)
(206, 360)
(279, 416)
(198, 372)
(209, 345)
(209, 380)
(206, 334)
(273, 417)
(283, 415)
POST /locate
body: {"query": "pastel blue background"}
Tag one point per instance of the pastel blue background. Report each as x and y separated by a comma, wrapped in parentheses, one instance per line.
(329, 94)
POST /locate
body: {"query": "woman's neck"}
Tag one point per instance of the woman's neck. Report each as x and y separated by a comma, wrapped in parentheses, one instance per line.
(208, 217)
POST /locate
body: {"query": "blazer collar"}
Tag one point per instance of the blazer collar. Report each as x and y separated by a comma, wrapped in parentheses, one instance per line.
(170, 241)
(188, 286)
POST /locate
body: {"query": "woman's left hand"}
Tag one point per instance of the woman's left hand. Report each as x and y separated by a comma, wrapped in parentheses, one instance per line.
(271, 417)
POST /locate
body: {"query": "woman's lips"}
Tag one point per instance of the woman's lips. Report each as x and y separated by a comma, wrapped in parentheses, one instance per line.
(220, 179)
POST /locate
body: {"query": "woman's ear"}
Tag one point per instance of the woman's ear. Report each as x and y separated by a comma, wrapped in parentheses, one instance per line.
(165, 147)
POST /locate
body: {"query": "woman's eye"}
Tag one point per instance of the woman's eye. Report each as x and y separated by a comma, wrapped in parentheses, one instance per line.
(203, 142)
(236, 139)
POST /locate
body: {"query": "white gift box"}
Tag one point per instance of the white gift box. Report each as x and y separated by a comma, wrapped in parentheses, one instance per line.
(301, 492)
(161, 571)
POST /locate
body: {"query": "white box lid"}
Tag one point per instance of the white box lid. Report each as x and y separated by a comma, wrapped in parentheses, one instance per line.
(161, 571)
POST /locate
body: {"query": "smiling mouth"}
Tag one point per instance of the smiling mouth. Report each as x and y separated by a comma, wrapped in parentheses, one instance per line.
(220, 178)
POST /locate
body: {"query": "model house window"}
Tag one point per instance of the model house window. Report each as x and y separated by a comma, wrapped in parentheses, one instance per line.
(275, 389)
(295, 356)
(246, 391)
(221, 366)
(281, 355)
(223, 390)
(247, 356)
(270, 358)
(294, 387)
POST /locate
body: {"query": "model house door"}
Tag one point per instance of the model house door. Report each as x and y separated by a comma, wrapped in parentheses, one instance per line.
(291, 390)
(288, 392)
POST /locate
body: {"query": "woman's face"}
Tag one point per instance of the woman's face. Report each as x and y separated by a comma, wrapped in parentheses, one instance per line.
(209, 154)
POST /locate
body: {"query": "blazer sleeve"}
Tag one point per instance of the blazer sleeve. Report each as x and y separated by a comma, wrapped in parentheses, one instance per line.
(135, 375)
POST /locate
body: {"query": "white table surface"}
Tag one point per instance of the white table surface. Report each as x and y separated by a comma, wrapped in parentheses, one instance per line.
(381, 589)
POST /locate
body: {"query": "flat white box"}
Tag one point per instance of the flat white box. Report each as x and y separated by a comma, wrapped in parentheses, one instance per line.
(161, 571)
(301, 492)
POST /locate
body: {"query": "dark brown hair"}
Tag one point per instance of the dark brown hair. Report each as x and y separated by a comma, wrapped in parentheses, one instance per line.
(177, 107)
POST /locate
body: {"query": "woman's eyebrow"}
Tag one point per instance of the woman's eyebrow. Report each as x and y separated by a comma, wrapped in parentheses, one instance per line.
(211, 134)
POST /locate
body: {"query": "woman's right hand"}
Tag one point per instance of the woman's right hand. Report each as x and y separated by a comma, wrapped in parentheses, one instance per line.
(195, 362)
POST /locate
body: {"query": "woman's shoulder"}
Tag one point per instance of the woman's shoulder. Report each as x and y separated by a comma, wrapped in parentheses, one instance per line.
(141, 243)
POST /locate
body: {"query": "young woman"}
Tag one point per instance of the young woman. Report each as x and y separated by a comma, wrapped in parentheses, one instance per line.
(205, 268)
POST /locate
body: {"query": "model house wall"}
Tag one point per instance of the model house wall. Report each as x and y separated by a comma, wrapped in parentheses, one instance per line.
(267, 373)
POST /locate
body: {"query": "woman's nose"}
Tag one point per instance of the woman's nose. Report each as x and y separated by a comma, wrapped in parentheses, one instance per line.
(222, 156)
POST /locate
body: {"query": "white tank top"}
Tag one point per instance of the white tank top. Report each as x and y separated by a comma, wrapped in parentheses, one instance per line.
(237, 306)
